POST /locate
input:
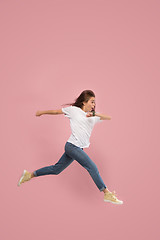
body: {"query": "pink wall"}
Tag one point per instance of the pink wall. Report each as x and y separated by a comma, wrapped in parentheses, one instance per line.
(50, 52)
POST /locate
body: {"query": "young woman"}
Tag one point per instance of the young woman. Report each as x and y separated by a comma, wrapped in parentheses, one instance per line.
(82, 117)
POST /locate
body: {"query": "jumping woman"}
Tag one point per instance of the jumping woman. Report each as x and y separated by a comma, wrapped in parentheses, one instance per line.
(82, 117)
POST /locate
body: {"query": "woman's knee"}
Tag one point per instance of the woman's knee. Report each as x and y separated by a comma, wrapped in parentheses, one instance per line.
(93, 169)
(55, 170)
(58, 172)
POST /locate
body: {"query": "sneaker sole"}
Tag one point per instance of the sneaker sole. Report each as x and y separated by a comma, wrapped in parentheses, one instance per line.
(19, 183)
(113, 202)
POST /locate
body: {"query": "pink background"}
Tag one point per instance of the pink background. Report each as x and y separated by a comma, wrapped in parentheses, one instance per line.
(50, 52)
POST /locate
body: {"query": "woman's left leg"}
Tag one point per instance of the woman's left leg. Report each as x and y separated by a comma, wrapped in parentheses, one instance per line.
(55, 169)
(83, 159)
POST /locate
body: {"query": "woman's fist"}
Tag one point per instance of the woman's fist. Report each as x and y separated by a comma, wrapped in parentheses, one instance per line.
(89, 114)
(38, 113)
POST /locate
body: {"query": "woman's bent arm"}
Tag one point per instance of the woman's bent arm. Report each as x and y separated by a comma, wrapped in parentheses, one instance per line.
(54, 112)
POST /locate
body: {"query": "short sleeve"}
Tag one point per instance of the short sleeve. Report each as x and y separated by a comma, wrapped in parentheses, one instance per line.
(97, 119)
(67, 111)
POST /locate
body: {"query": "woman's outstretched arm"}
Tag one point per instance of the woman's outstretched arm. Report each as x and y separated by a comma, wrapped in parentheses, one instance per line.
(54, 112)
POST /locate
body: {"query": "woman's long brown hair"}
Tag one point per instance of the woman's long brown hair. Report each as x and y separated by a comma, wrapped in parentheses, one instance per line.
(83, 97)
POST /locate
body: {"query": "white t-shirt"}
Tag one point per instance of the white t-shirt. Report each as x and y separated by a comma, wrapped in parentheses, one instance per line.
(81, 126)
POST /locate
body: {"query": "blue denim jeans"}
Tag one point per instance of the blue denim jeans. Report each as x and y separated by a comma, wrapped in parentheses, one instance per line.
(72, 153)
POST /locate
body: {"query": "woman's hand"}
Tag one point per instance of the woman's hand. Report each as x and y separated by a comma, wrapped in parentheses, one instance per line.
(89, 114)
(38, 113)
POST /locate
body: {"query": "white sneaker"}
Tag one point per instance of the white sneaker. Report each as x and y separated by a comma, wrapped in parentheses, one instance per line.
(25, 177)
(111, 197)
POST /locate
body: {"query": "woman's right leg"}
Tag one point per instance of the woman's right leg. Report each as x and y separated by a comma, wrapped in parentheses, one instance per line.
(55, 169)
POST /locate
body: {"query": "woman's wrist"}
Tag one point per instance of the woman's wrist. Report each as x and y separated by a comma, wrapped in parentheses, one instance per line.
(97, 114)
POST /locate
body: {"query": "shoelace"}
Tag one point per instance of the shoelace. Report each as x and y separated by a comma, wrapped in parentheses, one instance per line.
(114, 193)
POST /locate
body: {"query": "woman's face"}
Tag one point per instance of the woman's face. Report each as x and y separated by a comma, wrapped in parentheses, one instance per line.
(90, 105)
